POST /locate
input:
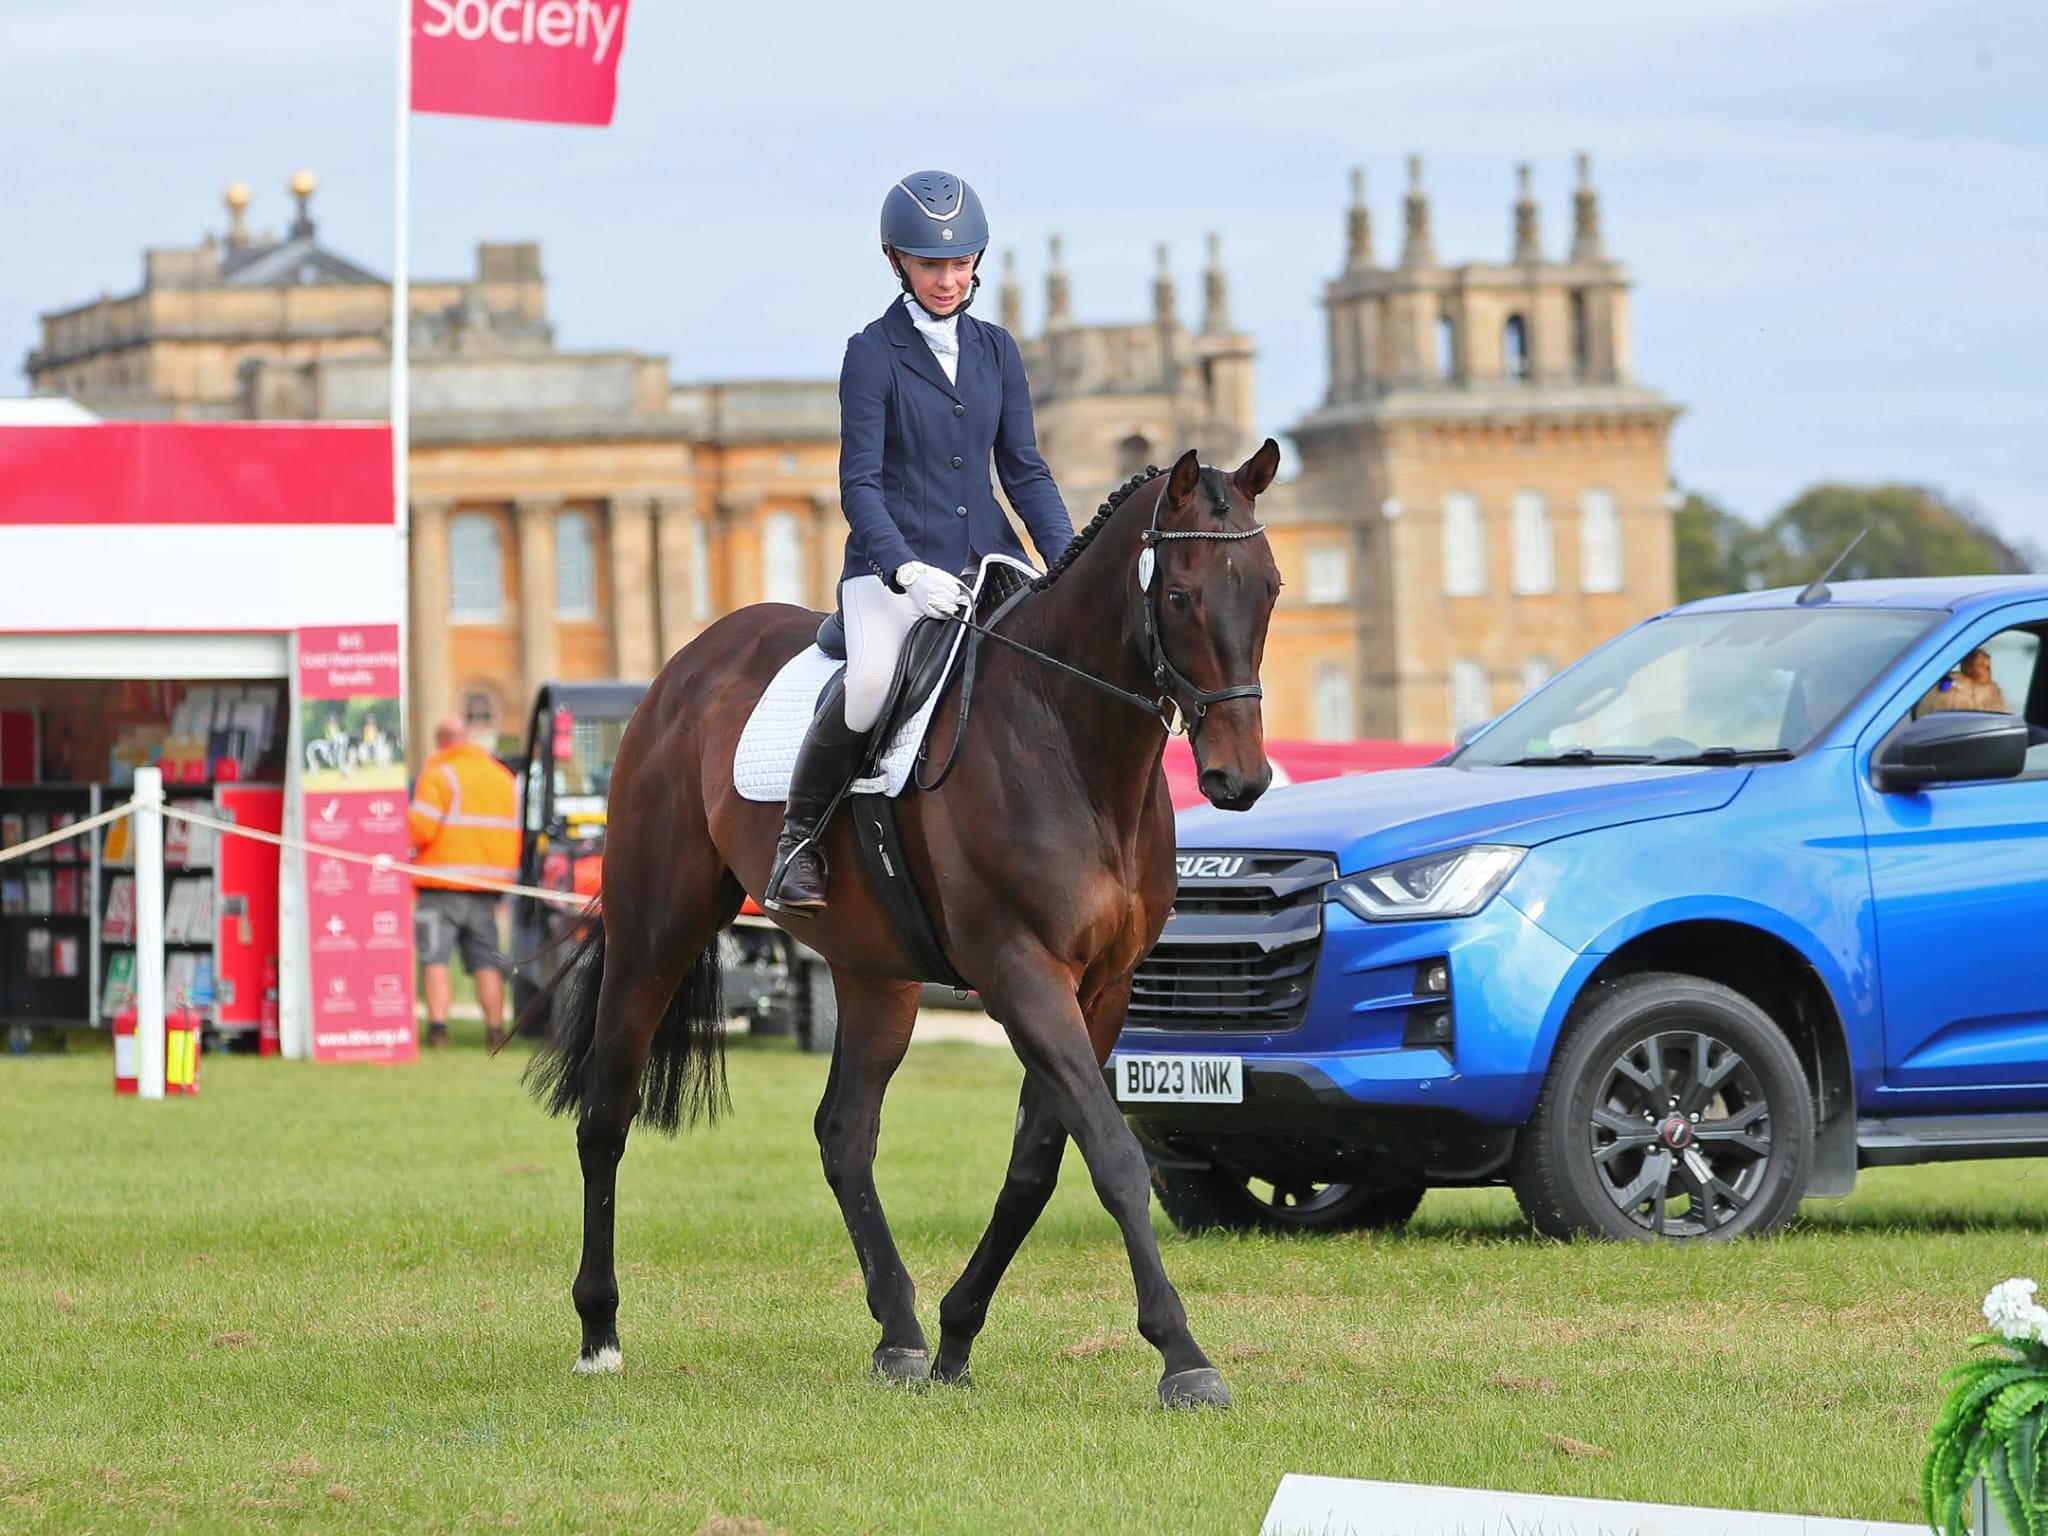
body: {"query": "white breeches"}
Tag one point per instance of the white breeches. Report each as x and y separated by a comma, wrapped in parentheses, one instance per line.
(877, 620)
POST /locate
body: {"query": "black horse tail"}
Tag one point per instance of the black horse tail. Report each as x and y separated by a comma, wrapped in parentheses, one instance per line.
(684, 1079)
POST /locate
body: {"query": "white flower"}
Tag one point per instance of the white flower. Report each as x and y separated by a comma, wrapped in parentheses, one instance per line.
(2012, 1313)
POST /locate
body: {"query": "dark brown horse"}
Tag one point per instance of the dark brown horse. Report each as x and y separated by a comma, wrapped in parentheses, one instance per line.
(1046, 859)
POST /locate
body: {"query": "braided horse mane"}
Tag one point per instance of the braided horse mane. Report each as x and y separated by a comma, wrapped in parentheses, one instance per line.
(1117, 498)
(1086, 536)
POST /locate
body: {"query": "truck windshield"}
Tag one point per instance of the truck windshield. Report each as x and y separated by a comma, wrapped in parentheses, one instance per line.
(1710, 688)
(587, 770)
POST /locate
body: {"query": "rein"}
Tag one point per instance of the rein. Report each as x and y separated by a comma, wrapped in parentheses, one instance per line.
(1166, 708)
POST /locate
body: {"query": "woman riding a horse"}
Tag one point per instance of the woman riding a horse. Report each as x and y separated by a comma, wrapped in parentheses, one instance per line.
(926, 394)
(1043, 854)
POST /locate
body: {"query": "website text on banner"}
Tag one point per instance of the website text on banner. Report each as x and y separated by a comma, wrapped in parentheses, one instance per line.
(540, 61)
(353, 784)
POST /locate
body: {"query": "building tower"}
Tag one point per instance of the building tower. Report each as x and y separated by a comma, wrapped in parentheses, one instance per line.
(1482, 491)
(1111, 399)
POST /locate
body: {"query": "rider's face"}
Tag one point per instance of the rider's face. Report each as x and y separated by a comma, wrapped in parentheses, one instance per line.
(939, 282)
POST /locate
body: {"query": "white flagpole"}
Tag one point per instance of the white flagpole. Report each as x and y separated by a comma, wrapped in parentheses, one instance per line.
(401, 346)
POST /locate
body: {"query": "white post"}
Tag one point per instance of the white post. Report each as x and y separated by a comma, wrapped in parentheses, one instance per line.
(149, 933)
(401, 347)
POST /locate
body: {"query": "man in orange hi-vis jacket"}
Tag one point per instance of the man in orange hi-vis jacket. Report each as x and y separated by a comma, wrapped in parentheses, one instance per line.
(465, 821)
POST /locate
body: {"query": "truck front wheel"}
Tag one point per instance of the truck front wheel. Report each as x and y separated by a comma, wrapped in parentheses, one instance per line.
(1674, 1109)
(1211, 1199)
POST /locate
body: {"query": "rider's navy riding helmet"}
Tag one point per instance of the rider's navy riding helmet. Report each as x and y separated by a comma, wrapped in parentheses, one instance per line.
(933, 213)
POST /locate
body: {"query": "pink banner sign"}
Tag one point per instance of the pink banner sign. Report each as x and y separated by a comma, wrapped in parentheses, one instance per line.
(538, 61)
(353, 800)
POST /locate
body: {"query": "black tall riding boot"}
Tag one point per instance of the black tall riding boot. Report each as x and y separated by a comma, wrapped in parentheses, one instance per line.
(825, 764)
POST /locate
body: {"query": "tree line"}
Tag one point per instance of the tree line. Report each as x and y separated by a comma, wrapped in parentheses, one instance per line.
(1913, 531)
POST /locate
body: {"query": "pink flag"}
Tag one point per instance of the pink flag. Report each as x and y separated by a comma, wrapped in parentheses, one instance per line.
(542, 61)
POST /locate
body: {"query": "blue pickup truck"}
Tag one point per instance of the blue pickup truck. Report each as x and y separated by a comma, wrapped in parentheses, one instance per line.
(1750, 898)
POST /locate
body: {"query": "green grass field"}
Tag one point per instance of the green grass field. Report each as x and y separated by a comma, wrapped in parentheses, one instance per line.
(338, 1299)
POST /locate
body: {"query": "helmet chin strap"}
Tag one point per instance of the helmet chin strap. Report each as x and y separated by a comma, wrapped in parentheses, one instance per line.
(973, 286)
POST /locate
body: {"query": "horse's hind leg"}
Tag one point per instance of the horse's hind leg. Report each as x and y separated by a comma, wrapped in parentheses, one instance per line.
(875, 1021)
(651, 969)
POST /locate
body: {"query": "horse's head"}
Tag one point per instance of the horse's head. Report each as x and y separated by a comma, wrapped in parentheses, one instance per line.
(1207, 586)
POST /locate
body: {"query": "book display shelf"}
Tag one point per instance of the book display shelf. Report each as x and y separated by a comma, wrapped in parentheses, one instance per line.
(49, 952)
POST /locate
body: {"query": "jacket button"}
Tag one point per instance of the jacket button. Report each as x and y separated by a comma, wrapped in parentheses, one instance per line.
(956, 461)
(959, 511)
(959, 410)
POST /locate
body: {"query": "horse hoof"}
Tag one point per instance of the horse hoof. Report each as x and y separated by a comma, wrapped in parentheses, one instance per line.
(1200, 1388)
(944, 1376)
(606, 1362)
(903, 1367)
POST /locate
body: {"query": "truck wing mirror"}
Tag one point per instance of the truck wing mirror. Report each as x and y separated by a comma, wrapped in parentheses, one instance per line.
(1949, 747)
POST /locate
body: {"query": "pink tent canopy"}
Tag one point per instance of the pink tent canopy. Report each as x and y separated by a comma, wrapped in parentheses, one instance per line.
(1296, 762)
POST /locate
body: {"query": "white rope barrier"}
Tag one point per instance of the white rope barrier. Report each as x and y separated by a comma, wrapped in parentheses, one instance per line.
(375, 860)
(378, 860)
(76, 829)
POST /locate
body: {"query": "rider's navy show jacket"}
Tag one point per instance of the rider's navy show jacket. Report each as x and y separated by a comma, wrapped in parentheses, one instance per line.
(914, 452)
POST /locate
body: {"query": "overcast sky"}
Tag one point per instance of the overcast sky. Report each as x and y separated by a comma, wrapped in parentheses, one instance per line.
(1833, 210)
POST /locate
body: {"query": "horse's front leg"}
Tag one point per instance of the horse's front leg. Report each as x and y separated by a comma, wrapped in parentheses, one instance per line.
(875, 1022)
(1040, 1143)
(1034, 998)
(1034, 1171)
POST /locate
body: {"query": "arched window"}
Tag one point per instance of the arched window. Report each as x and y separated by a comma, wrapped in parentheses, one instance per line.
(1514, 347)
(476, 571)
(1471, 698)
(575, 568)
(1133, 454)
(1535, 569)
(1446, 347)
(1331, 695)
(1535, 673)
(1464, 546)
(782, 559)
(480, 710)
(1599, 542)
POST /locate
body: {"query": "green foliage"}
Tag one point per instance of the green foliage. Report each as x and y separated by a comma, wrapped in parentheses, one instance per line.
(1990, 1426)
(1912, 531)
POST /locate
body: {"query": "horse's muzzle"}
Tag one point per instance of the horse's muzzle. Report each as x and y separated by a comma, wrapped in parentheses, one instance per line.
(1230, 790)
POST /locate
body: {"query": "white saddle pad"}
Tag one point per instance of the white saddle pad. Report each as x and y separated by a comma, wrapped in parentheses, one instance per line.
(767, 750)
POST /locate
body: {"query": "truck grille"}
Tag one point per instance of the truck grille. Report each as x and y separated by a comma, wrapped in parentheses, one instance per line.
(1239, 952)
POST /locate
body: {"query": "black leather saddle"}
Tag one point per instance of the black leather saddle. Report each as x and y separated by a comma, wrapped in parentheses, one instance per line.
(920, 668)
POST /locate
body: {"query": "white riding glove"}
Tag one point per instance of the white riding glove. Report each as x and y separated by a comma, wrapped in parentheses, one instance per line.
(933, 591)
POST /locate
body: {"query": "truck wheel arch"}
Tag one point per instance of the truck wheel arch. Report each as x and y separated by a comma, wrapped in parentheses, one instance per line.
(1774, 975)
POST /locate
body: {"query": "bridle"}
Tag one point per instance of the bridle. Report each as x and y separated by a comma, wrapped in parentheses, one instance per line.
(1170, 679)
(1180, 705)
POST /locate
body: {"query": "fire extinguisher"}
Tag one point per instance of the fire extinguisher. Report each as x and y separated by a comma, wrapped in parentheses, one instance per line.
(266, 1019)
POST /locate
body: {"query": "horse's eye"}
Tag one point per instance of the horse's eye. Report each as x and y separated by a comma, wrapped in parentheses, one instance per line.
(1179, 600)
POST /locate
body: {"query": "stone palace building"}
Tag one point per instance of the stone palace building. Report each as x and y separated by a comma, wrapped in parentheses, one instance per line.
(1481, 494)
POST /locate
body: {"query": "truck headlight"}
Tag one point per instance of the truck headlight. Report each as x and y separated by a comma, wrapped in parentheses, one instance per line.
(1454, 884)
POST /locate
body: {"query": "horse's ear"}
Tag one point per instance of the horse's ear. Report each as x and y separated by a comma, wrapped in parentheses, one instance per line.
(1187, 474)
(1257, 472)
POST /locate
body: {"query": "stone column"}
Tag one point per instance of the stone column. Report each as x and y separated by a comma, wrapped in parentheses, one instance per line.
(432, 648)
(635, 638)
(675, 514)
(740, 511)
(828, 541)
(537, 651)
